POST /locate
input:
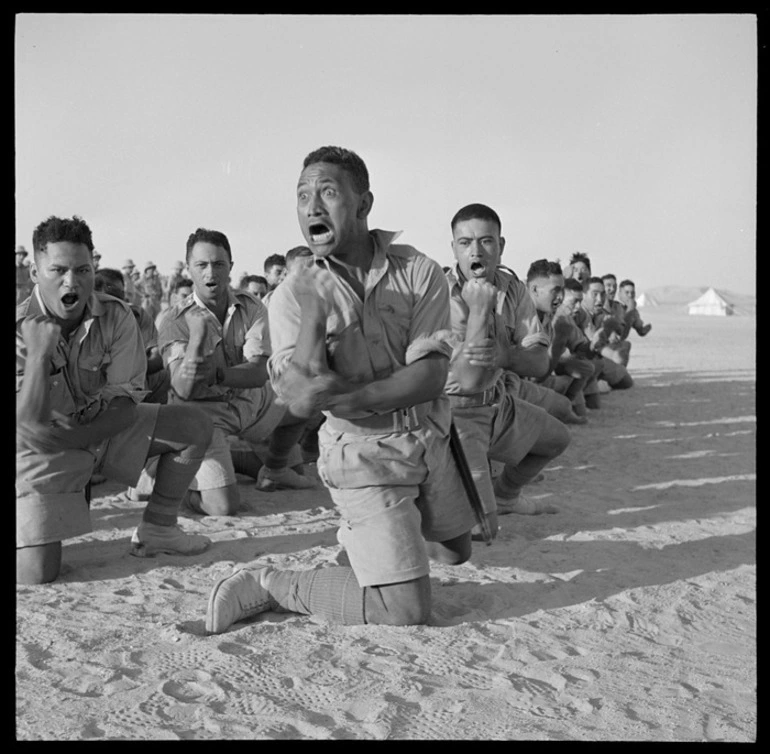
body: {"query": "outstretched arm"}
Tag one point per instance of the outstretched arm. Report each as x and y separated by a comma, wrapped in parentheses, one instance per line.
(476, 360)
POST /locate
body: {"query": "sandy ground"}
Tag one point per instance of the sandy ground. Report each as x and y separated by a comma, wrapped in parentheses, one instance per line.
(630, 615)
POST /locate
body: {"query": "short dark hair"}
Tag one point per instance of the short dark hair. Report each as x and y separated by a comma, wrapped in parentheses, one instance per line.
(204, 235)
(273, 260)
(246, 279)
(608, 276)
(183, 283)
(626, 282)
(579, 256)
(348, 160)
(106, 275)
(56, 229)
(573, 284)
(476, 212)
(542, 268)
(298, 251)
(595, 279)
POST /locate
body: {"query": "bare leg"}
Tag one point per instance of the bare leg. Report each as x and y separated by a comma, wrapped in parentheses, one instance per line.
(38, 564)
(221, 501)
(553, 441)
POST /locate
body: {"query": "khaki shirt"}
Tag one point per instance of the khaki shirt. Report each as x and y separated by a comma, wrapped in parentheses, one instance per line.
(589, 322)
(513, 318)
(244, 337)
(103, 358)
(404, 316)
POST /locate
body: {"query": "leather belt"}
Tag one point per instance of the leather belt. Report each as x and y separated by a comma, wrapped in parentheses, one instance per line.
(394, 422)
(485, 398)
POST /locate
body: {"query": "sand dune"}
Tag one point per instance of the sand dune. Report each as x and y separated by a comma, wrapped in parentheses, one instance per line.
(629, 615)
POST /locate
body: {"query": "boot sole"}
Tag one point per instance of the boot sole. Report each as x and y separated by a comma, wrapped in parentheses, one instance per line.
(142, 551)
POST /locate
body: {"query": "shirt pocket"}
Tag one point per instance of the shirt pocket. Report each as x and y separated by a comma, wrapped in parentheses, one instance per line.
(61, 399)
(394, 311)
(92, 371)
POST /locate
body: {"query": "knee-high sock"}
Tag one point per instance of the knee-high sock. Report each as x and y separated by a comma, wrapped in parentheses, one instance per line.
(173, 476)
(283, 439)
(513, 478)
(331, 593)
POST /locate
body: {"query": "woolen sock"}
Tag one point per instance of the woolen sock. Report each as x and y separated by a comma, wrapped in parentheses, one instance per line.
(330, 593)
(511, 480)
(283, 439)
(246, 462)
(173, 476)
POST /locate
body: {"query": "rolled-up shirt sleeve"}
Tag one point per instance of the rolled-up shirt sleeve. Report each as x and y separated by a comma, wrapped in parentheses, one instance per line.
(127, 369)
(257, 342)
(430, 328)
(284, 321)
(526, 320)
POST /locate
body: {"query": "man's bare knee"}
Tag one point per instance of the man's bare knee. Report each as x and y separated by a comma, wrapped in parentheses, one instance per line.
(38, 564)
(222, 501)
(404, 604)
(554, 440)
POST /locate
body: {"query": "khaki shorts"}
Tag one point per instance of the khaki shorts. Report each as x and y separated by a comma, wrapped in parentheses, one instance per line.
(543, 396)
(612, 373)
(50, 498)
(394, 492)
(254, 424)
(503, 432)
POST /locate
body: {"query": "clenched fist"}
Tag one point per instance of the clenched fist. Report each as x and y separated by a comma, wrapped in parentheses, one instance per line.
(40, 335)
(480, 295)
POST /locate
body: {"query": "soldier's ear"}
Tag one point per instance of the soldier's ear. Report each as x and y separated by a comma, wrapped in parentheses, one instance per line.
(502, 245)
(365, 204)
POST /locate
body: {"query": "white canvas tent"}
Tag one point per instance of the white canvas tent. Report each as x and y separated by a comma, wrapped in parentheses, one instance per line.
(645, 300)
(710, 303)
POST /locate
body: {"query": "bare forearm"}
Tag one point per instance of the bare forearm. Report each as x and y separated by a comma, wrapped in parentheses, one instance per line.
(528, 362)
(419, 382)
(558, 346)
(310, 349)
(472, 376)
(183, 381)
(32, 401)
(244, 376)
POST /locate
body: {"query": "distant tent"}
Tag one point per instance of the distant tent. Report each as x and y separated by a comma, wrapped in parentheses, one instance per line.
(710, 303)
(645, 300)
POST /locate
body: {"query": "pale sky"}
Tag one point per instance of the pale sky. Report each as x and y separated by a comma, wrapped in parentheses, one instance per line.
(631, 138)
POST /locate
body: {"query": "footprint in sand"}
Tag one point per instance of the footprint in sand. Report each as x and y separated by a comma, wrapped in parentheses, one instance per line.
(193, 686)
(416, 721)
(580, 676)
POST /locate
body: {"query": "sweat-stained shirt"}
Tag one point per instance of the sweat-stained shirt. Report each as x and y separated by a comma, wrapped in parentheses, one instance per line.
(404, 316)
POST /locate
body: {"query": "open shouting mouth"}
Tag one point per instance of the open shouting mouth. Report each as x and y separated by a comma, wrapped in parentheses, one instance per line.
(70, 300)
(320, 234)
(478, 269)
